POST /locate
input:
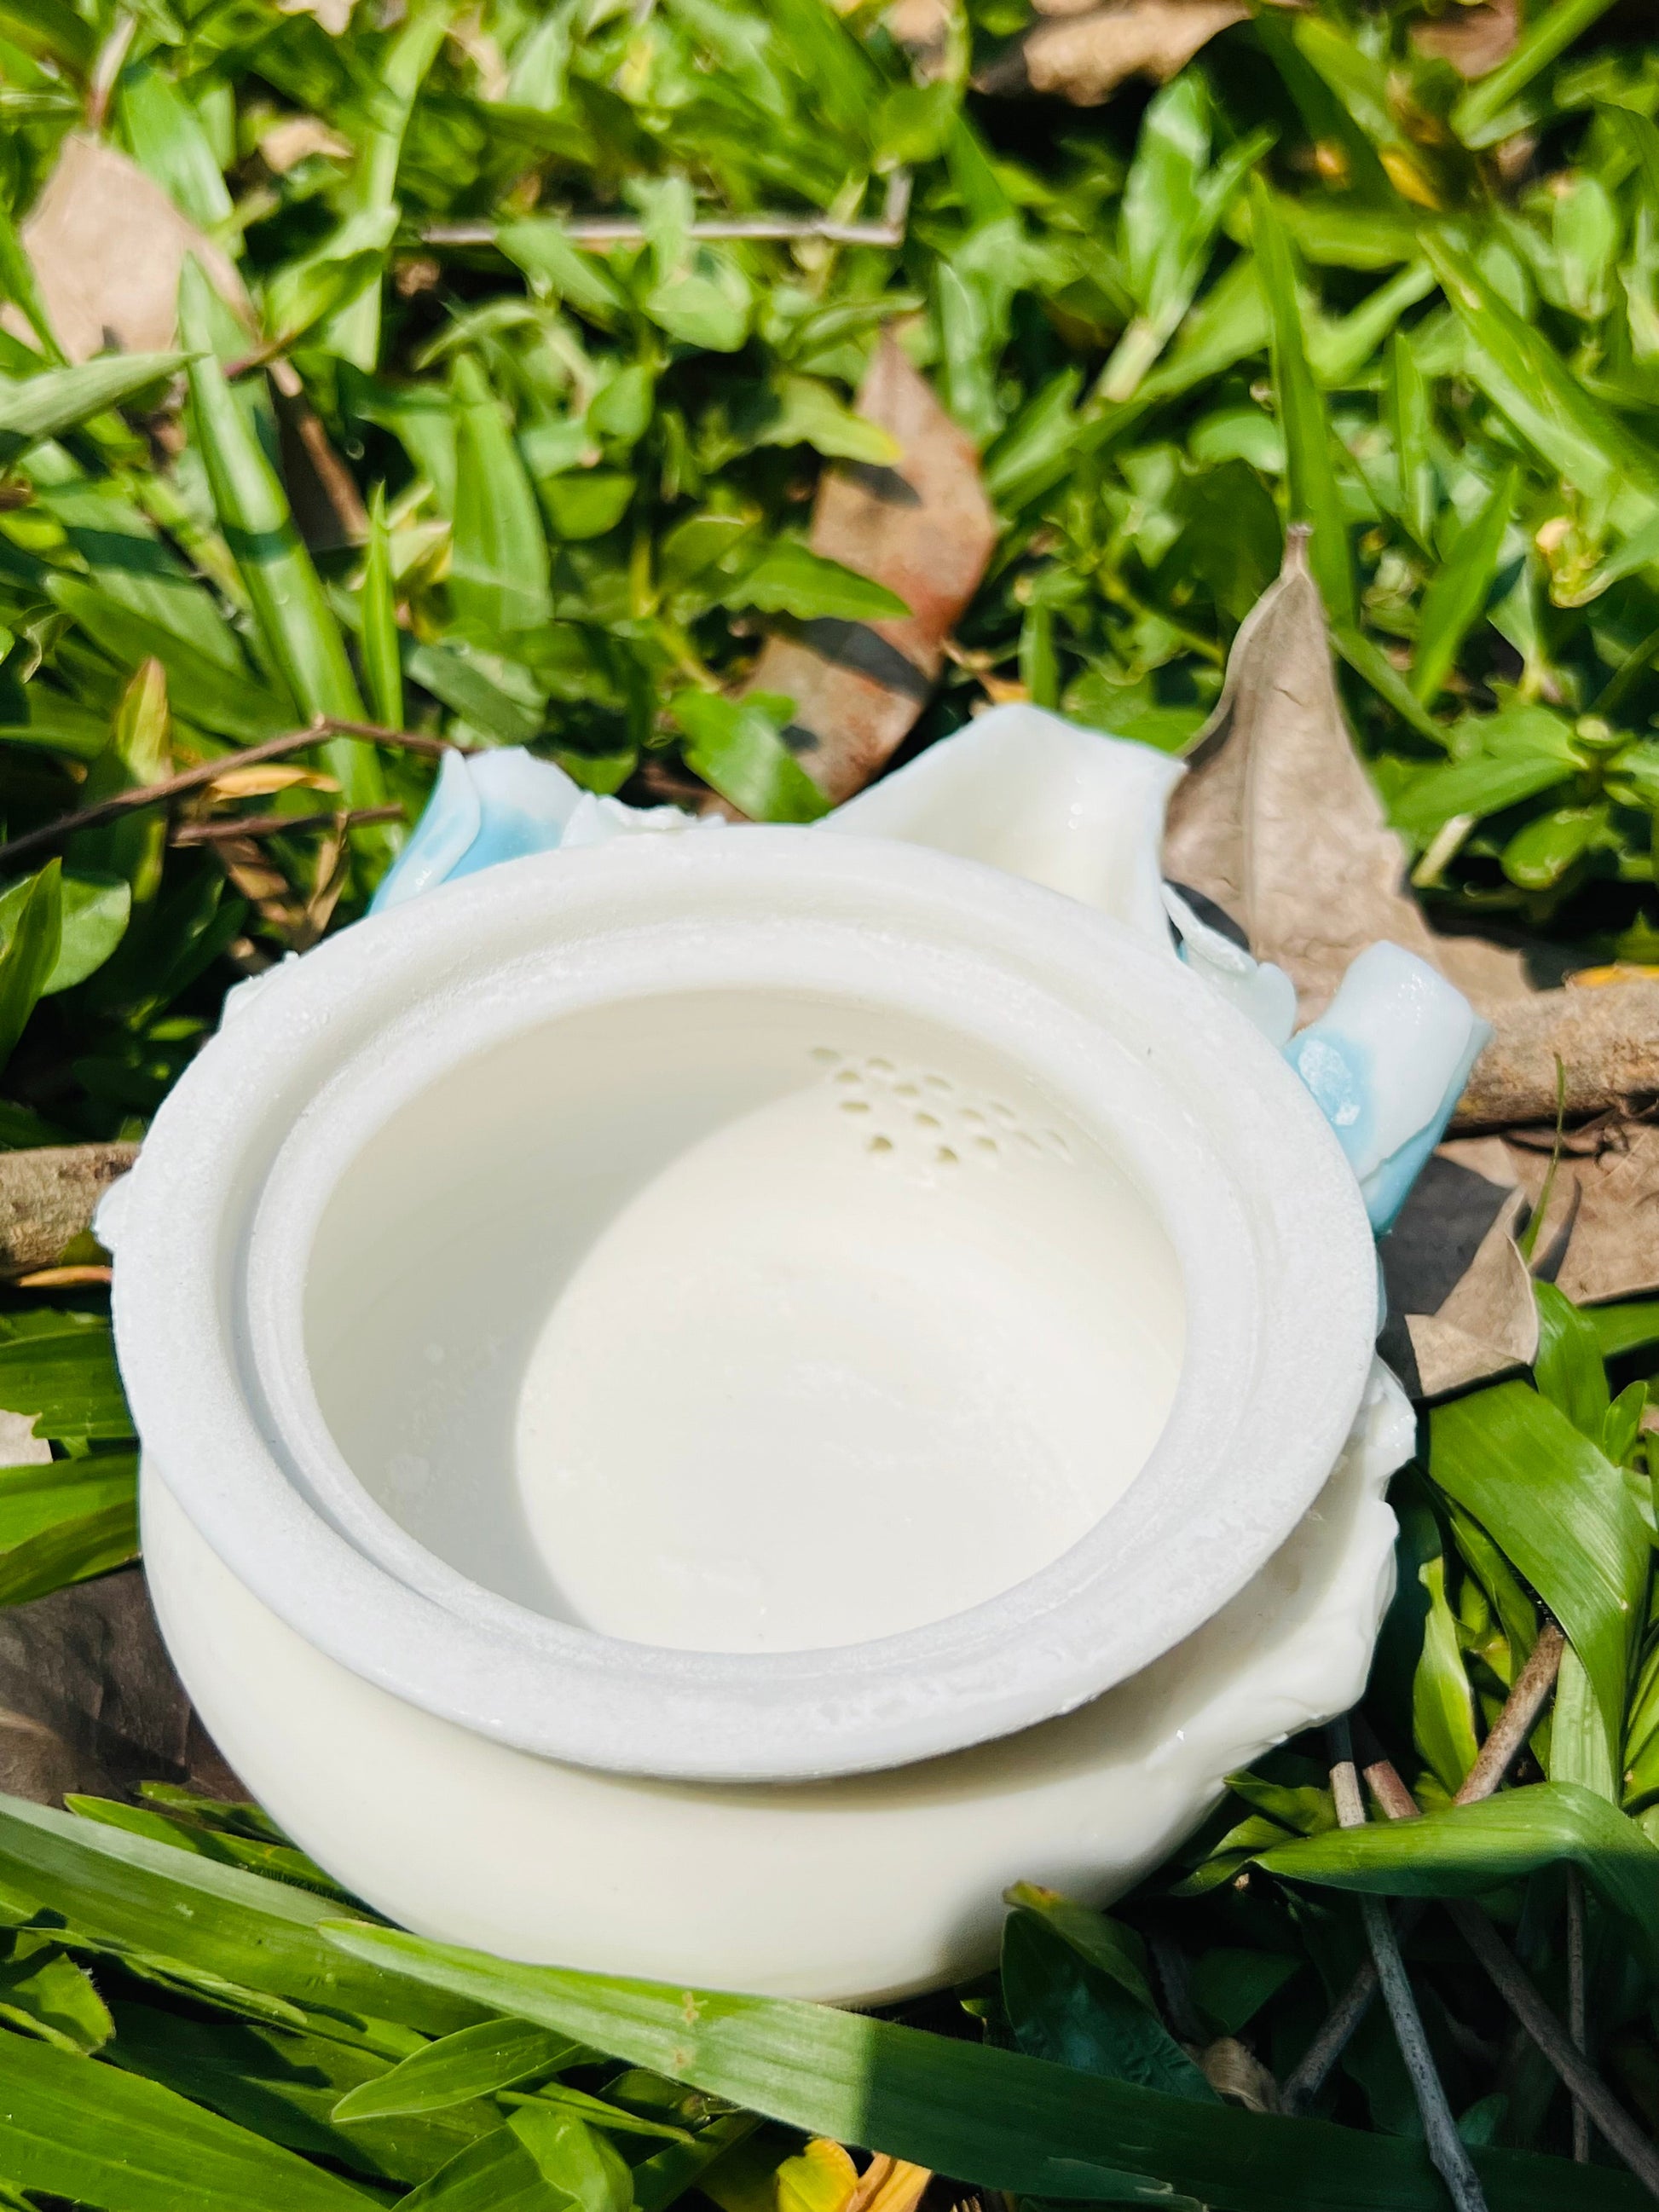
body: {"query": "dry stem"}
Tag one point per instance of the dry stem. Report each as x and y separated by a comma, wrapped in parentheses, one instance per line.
(205, 772)
(1503, 1744)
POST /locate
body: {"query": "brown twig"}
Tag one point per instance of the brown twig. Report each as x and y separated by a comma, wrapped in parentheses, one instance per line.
(205, 772)
(1510, 1731)
(1502, 1748)
(1514, 1984)
(1445, 2145)
(276, 825)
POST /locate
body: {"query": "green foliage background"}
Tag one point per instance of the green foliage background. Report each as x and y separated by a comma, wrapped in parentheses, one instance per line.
(1317, 275)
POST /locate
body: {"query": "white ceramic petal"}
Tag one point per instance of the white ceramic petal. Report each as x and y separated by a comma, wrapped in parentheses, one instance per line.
(1263, 992)
(1039, 797)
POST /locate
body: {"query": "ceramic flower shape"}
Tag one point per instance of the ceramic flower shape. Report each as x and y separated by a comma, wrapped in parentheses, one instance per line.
(500, 805)
(1079, 812)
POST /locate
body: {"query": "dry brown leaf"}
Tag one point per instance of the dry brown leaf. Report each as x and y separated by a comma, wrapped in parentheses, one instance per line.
(924, 528)
(1235, 2072)
(1489, 1325)
(1278, 822)
(88, 1699)
(107, 245)
(1604, 1205)
(266, 776)
(1082, 57)
(19, 1445)
(294, 138)
(1472, 39)
(1460, 1297)
(47, 1197)
(1605, 1036)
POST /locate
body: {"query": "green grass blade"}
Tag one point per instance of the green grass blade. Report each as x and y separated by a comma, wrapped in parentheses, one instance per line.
(735, 745)
(1480, 117)
(1314, 495)
(1407, 405)
(353, 334)
(498, 568)
(29, 953)
(472, 2062)
(383, 668)
(72, 2128)
(295, 620)
(1456, 597)
(992, 2117)
(70, 1551)
(165, 1902)
(1467, 1849)
(1521, 374)
(230, 702)
(1561, 1511)
(59, 399)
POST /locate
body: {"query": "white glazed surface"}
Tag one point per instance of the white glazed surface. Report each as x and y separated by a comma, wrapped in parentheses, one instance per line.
(1115, 1044)
(768, 1343)
(856, 1890)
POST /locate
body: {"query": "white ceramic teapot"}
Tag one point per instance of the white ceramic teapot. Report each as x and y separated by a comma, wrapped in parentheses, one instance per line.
(710, 1400)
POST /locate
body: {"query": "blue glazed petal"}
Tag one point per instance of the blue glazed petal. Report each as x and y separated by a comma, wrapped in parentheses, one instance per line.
(527, 807)
(485, 807)
(447, 828)
(1387, 1062)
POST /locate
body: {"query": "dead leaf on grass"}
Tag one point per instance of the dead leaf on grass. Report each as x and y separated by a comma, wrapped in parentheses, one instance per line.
(89, 1702)
(107, 246)
(1278, 822)
(924, 528)
(1472, 39)
(1083, 55)
(1603, 1207)
(1460, 1308)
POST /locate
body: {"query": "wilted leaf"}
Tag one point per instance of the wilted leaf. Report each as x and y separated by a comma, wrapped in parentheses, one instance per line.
(108, 246)
(922, 528)
(1473, 39)
(1604, 1205)
(1460, 1294)
(1278, 823)
(88, 1699)
(1084, 57)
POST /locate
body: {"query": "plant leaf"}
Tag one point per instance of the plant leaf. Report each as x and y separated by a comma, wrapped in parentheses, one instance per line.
(994, 2117)
(298, 625)
(498, 572)
(30, 952)
(472, 2062)
(735, 745)
(1561, 1512)
(59, 399)
(104, 2137)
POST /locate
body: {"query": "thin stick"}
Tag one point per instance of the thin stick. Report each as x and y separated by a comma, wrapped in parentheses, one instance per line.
(1522, 1708)
(1515, 1987)
(231, 826)
(1446, 2147)
(206, 772)
(1509, 1732)
(1577, 2014)
(627, 230)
